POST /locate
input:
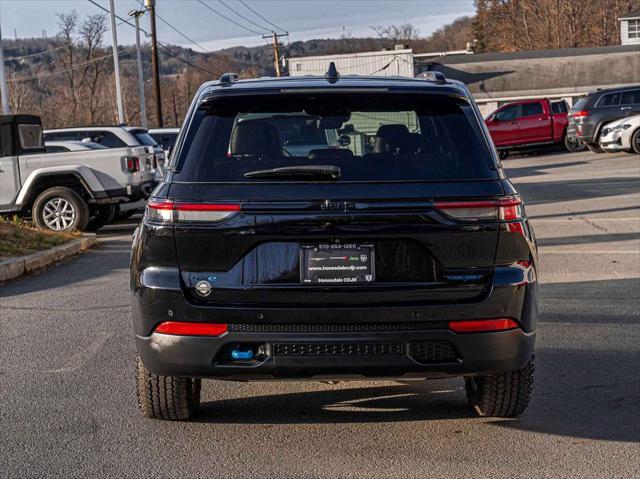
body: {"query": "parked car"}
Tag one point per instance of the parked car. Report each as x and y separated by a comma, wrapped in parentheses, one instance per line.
(112, 137)
(592, 112)
(412, 260)
(621, 135)
(530, 123)
(66, 190)
(165, 137)
(66, 146)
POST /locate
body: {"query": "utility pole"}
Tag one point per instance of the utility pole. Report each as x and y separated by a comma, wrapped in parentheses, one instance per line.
(4, 91)
(276, 53)
(151, 6)
(116, 63)
(136, 14)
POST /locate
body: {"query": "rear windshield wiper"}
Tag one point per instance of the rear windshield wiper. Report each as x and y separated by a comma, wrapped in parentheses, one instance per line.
(321, 172)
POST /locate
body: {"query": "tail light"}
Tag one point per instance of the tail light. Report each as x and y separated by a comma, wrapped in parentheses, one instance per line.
(483, 325)
(508, 208)
(181, 328)
(579, 113)
(167, 211)
(131, 163)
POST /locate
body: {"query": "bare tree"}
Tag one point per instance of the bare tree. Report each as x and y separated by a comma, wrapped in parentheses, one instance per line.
(403, 32)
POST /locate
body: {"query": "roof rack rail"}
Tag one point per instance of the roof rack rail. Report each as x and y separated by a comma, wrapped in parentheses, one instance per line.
(434, 76)
(228, 78)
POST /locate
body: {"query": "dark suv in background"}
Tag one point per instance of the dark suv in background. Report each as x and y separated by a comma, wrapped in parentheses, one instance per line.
(397, 251)
(592, 112)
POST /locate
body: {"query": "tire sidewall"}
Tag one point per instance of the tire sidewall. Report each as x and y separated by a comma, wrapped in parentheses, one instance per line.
(635, 142)
(80, 206)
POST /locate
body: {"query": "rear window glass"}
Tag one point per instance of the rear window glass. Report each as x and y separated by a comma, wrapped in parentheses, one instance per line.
(30, 136)
(559, 107)
(369, 137)
(144, 138)
(580, 104)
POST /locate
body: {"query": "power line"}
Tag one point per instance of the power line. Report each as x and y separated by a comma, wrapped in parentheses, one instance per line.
(147, 34)
(186, 62)
(245, 18)
(37, 54)
(229, 19)
(180, 33)
(263, 18)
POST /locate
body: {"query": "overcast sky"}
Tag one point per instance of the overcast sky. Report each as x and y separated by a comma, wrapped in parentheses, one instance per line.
(303, 19)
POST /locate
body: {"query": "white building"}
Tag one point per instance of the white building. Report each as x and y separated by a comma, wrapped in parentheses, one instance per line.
(630, 28)
(384, 63)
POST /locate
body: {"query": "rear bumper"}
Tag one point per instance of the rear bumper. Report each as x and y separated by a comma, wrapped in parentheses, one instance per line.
(393, 355)
(336, 343)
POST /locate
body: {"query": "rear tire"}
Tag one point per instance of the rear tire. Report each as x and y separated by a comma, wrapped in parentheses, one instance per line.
(501, 395)
(166, 397)
(635, 142)
(100, 215)
(573, 145)
(594, 148)
(60, 209)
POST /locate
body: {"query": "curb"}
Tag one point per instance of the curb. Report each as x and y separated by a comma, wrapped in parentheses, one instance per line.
(14, 267)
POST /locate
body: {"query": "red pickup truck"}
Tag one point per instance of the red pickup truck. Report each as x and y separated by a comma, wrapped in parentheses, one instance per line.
(530, 123)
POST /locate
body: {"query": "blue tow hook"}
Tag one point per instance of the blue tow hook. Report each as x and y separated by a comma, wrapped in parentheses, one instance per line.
(239, 354)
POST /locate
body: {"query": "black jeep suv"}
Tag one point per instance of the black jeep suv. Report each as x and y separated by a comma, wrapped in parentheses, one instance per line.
(331, 229)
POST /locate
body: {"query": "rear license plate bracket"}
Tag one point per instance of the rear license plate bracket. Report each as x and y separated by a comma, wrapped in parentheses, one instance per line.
(337, 263)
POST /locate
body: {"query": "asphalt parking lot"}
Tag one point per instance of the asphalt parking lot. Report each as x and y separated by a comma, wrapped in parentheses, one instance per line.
(68, 409)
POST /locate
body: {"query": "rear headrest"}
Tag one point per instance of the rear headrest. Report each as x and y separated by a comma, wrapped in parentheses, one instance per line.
(330, 154)
(254, 138)
(385, 131)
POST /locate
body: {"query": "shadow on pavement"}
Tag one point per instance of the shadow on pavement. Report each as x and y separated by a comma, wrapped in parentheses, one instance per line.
(577, 393)
(574, 190)
(424, 400)
(90, 266)
(588, 239)
(520, 172)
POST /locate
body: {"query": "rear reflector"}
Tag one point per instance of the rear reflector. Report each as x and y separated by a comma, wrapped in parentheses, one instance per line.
(508, 208)
(180, 328)
(482, 325)
(166, 211)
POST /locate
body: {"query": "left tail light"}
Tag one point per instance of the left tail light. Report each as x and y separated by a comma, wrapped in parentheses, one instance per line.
(167, 211)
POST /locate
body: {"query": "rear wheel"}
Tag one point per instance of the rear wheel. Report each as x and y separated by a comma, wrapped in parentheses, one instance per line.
(60, 209)
(635, 141)
(573, 144)
(594, 148)
(166, 397)
(501, 395)
(100, 215)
